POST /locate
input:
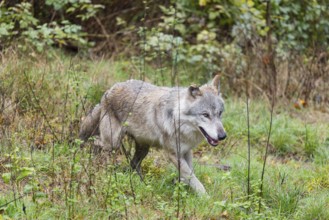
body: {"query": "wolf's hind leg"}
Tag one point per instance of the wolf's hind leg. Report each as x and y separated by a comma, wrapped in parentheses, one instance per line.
(140, 154)
(111, 131)
(89, 126)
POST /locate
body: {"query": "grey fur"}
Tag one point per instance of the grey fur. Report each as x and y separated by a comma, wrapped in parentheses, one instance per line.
(154, 116)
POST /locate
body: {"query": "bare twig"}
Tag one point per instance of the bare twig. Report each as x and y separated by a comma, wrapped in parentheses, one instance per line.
(271, 71)
(105, 33)
(265, 157)
(248, 125)
(14, 200)
(175, 78)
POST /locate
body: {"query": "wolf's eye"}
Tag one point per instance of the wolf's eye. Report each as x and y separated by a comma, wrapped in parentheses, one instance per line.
(206, 115)
(220, 113)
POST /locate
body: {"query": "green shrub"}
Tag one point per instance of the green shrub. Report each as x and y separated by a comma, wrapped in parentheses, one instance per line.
(19, 25)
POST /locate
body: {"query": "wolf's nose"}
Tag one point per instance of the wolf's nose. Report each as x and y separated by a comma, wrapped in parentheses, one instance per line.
(221, 136)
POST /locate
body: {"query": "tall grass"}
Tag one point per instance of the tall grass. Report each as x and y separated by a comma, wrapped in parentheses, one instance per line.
(46, 175)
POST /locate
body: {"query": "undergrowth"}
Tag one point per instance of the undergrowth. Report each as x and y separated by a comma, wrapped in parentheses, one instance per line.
(45, 174)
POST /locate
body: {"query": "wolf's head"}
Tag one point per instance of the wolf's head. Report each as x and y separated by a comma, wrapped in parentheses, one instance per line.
(204, 109)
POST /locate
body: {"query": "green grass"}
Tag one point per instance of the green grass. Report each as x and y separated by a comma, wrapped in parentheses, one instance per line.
(41, 159)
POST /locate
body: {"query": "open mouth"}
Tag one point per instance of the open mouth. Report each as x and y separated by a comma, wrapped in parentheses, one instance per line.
(211, 141)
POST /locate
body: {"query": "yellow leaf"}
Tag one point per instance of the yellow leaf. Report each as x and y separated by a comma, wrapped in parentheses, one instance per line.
(207, 179)
(250, 3)
(204, 159)
(202, 2)
(224, 214)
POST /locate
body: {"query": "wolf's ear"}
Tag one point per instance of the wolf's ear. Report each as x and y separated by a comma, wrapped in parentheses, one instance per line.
(216, 83)
(194, 91)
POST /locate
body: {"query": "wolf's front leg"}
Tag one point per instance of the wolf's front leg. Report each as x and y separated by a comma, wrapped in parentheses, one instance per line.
(187, 174)
(189, 159)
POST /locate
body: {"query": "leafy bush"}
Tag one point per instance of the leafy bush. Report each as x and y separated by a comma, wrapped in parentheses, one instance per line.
(301, 25)
(19, 24)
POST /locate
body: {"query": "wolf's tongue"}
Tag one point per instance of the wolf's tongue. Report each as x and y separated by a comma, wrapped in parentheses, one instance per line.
(209, 139)
(212, 142)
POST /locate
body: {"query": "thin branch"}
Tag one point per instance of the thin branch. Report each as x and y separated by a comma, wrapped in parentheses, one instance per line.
(265, 158)
(14, 200)
(271, 71)
(105, 34)
(248, 125)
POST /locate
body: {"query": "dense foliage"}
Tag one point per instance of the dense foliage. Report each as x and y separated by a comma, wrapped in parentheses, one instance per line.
(297, 25)
(230, 36)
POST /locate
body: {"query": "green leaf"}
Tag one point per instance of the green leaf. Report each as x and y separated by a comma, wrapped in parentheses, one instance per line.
(28, 188)
(25, 172)
(6, 177)
(40, 195)
(213, 15)
(3, 31)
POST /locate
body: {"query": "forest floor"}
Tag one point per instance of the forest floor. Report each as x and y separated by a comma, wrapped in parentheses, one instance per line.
(45, 174)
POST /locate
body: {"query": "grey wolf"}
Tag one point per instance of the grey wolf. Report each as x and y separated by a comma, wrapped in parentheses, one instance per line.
(174, 119)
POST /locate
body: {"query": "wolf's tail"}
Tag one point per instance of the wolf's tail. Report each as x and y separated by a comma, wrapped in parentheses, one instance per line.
(90, 125)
